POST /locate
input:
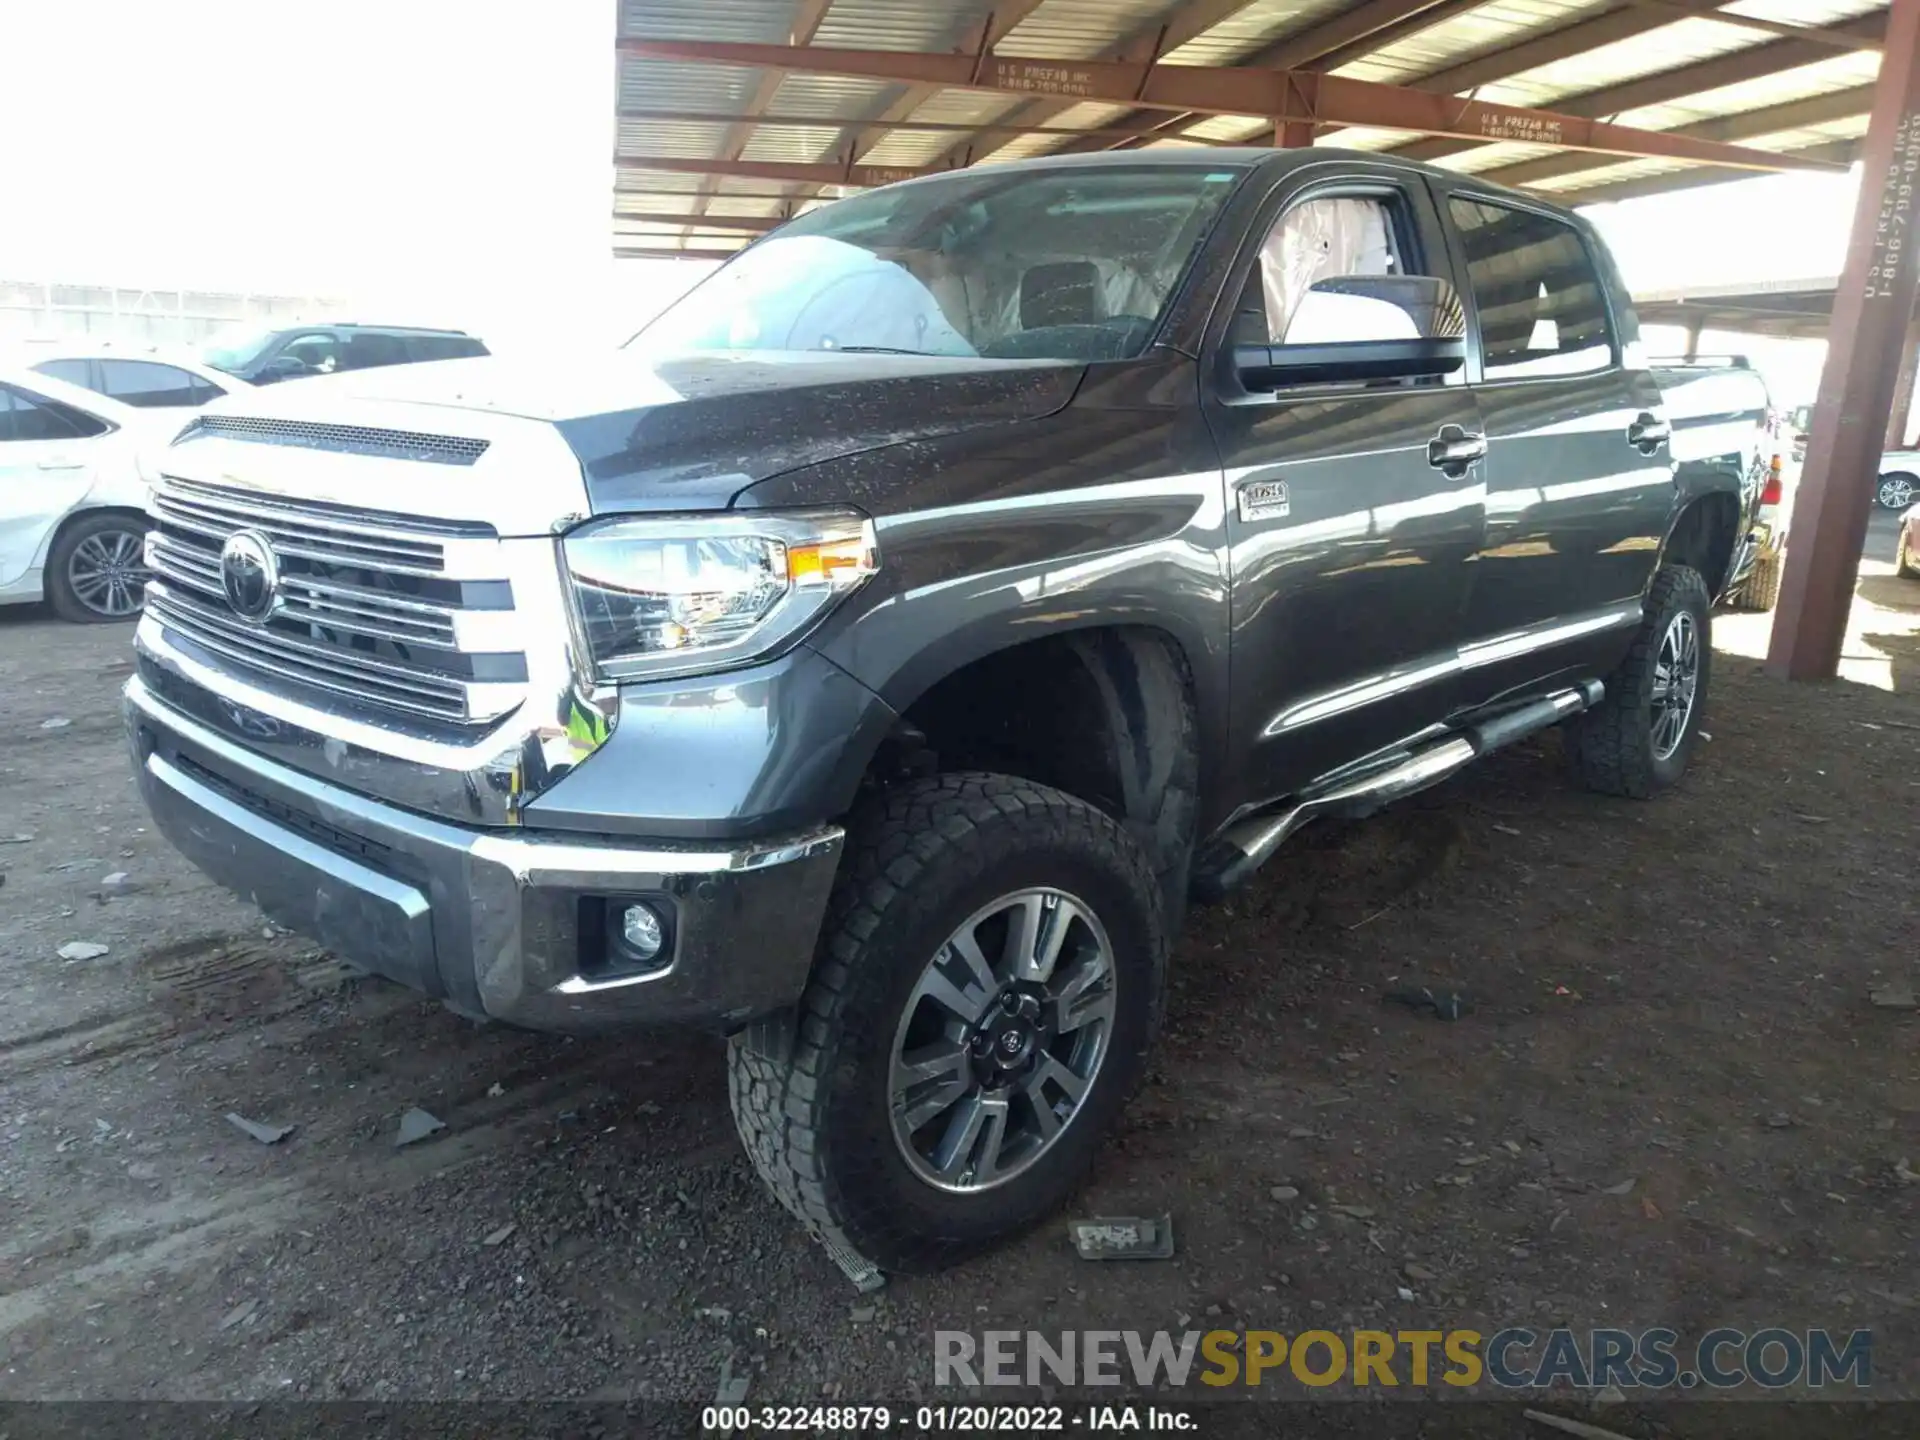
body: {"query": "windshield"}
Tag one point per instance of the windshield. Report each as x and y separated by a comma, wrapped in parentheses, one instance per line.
(1066, 264)
(236, 350)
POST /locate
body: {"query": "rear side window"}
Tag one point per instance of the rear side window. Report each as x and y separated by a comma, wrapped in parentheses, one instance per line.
(31, 417)
(365, 351)
(1542, 308)
(74, 372)
(443, 347)
(148, 384)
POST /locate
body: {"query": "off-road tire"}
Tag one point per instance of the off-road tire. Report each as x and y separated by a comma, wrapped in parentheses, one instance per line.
(1761, 589)
(809, 1088)
(1905, 563)
(1611, 746)
(60, 592)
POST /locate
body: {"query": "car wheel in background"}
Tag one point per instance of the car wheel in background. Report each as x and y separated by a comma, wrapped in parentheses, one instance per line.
(988, 984)
(1638, 739)
(95, 571)
(1896, 492)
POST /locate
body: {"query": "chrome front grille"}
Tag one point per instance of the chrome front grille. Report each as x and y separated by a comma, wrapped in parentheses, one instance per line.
(381, 612)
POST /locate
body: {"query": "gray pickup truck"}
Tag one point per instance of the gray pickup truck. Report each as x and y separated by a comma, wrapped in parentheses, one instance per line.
(872, 660)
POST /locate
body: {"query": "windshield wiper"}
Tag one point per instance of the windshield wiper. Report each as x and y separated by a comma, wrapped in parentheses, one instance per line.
(882, 350)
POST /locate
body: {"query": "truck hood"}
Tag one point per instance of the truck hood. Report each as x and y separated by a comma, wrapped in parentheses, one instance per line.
(690, 431)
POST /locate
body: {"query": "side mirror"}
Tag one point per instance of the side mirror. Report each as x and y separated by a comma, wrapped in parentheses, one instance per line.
(282, 367)
(1359, 328)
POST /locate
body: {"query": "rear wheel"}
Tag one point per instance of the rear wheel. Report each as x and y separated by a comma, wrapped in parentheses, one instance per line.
(95, 571)
(1638, 740)
(1761, 589)
(987, 988)
(1896, 492)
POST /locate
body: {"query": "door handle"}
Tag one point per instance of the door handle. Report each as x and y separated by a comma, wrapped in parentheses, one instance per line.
(1454, 450)
(58, 463)
(1648, 432)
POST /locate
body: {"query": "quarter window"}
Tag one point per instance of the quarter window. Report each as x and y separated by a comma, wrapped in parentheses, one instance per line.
(31, 417)
(1542, 308)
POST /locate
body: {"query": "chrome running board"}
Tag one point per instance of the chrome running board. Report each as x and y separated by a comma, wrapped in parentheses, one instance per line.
(1247, 845)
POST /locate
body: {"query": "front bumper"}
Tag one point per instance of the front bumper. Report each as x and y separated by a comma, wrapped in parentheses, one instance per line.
(490, 920)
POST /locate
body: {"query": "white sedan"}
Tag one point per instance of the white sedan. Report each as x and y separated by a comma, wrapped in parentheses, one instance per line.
(72, 496)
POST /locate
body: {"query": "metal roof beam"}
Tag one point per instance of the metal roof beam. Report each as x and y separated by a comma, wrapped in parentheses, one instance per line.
(1227, 90)
(667, 252)
(700, 222)
(1357, 31)
(1663, 86)
(790, 172)
(1704, 9)
(1841, 152)
(944, 127)
(1742, 125)
(1187, 21)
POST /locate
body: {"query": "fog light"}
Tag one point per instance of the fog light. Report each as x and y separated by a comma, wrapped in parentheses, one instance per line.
(642, 930)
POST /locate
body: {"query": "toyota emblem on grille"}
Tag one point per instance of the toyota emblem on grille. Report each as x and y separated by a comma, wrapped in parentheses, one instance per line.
(250, 575)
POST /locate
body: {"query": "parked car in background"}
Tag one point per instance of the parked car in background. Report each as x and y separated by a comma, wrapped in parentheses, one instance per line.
(143, 378)
(870, 662)
(264, 356)
(72, 497)
(1898, 483)
(1906, 554)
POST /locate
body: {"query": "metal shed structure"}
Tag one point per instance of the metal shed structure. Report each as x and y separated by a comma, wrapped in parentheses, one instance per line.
(736, 113)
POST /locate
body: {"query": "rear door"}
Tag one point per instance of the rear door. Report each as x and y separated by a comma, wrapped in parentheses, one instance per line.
(46, 468)
(1350, 530)
(1579, 479)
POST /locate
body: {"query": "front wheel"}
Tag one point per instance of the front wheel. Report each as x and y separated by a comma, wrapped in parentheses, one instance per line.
(988, 985)
(1896, 492)
(1638, 739)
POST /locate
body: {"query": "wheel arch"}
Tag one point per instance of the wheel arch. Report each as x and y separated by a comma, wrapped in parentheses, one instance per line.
(79, 515)
(1109, 712)
(1704, 534)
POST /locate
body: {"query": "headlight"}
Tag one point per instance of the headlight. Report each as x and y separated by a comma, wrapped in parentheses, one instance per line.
(686, 594)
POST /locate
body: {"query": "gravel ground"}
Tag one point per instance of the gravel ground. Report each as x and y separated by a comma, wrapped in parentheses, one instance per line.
(1672, 994)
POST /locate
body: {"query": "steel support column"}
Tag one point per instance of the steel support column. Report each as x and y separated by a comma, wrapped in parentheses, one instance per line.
(1871, 315)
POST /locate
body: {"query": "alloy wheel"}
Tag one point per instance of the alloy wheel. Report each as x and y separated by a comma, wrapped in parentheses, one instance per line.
(1676, 681)
(1001, 1040)
(1896, 491)
(106, 574)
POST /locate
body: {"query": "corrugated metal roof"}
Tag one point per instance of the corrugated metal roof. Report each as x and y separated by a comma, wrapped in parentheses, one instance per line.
(1528, 52)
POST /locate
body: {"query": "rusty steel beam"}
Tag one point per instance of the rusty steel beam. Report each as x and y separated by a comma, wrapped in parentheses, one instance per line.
(702, 222)
(1695, 9)
(1871, 313)
(938, 127)
(1742, 125)
(1364, 27)
(790, 172)
(1664, 86)
(1227, 90)
(667, 252)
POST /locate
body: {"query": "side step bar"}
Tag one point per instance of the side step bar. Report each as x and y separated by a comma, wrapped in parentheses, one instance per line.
(1245, 847)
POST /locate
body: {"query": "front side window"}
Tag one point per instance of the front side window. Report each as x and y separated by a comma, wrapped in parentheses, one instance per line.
(369, 348)
(1542, 308)
(1066, 264)
(1337, 270)
(318, 352)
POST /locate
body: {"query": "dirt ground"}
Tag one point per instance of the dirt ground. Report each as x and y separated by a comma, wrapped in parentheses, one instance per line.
(1673, 994)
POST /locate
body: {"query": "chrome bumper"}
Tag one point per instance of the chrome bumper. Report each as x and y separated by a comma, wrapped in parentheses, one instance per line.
(490, 920)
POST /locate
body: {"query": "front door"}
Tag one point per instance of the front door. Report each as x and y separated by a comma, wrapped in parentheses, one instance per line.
(1353, 508)
(1579, 477)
